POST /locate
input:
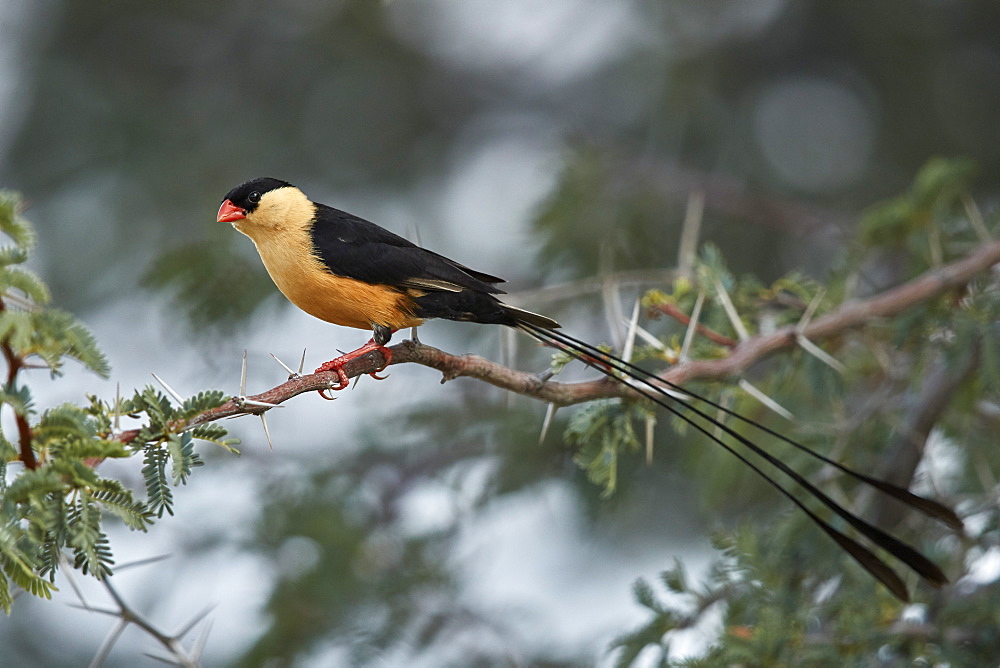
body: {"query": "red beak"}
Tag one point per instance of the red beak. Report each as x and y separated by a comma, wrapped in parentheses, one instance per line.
(229, 212)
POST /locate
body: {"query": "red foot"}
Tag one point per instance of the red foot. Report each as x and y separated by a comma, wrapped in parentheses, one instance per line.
(338, 363)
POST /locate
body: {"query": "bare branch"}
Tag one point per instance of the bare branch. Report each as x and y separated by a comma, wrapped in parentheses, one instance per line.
(850, 315)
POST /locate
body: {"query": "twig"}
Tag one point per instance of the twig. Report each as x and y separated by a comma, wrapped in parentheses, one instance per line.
(847, 316)
(14, 365)
(127, 615)
(942, 382)
(683, 318)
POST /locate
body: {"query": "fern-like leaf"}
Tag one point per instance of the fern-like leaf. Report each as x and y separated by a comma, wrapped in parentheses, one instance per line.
(18, 567)
(183, 456)
(202, 402)
(12, 224)
(12, 255)
(115, 498)
(22, 280)
(159, 497)
(89, 543)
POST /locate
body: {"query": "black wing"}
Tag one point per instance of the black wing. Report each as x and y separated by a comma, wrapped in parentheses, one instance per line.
(356, 248)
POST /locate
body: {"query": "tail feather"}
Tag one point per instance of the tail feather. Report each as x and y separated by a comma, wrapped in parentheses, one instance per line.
(654, 388)
(522, 317)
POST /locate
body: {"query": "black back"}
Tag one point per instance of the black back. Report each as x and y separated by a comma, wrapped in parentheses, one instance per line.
(354, 247)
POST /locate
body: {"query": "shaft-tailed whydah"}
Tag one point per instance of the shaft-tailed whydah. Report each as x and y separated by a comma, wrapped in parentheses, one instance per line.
(348, 271)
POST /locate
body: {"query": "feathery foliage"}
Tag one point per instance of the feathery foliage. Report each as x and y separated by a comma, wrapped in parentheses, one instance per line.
(773, 592)
(56, 501)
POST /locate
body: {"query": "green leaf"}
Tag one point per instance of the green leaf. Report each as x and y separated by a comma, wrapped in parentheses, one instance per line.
(17, 328)
(115, 498)
(602, 430)
(89, 543)
(211, 431)
(52, 335)
(183, 456)
(156, 405)
(6, 600)
(12, 278)
(942, 180)
(12, 224)
(64, 421)
(159, 497)
(71, 339)
(12, 255)
(644, 595)
(34, 484)
(209, 297)
(18, 567)
(939, 184)
(675, 579)
(202, 402)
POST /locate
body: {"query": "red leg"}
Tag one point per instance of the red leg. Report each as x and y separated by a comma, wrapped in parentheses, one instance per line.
(338, 363)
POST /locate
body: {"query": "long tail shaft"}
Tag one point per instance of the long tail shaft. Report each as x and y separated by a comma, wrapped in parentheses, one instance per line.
(664, 394)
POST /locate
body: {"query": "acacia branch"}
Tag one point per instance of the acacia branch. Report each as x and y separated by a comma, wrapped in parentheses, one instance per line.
(683, 318)
(14, 365)
(849, 315)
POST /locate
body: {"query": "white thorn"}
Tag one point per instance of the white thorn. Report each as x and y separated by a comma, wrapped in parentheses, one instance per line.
(267, 432)
(243, 374)
(291, 374)
(646, 336)
(118, 404)
(730, 309)
(820, 354)
(976, 219)
(201, 641)
(688, 246)
(650, 428)
(764, 399)
(633, 325)
(194, 621)
(673, 394)
(109, 642)
(810, 310)
(67, 573)
(254, 402)
(720, 418)
(612, 301)
(143, 562)
(549, 414)
(692, 327)
(169, 660)
(169, 389)
(302, 362)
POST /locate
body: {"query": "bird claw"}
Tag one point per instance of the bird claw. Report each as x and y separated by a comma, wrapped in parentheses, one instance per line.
(338, 366)
(342, 380)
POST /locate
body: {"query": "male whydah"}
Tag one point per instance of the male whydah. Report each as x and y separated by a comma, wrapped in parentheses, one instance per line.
(348, 271)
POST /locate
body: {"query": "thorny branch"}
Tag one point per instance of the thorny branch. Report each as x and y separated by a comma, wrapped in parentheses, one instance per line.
(126, 615)
(685, 319)
(850, 315)
(14, 365)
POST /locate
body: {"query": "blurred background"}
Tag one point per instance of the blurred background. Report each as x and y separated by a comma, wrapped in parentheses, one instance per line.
(411, 522)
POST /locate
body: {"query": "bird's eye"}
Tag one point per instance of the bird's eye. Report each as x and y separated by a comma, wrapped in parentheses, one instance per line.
(253, 197)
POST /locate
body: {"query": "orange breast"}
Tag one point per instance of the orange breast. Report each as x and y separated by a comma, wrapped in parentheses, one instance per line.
(343, 301)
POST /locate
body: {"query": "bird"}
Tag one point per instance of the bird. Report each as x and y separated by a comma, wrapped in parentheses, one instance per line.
(351, 272)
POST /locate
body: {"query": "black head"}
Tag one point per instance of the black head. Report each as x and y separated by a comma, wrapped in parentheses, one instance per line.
(246, 196)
